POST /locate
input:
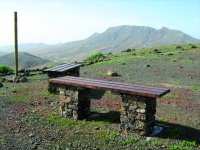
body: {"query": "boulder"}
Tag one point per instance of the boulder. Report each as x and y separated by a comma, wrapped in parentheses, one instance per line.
(112, 73)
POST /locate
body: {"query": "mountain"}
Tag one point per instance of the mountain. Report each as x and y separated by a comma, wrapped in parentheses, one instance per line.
(114, 39)
(25, 47)
(2, 53)
(26, 60)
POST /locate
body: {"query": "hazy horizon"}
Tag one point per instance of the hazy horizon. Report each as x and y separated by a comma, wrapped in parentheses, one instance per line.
(53, 22)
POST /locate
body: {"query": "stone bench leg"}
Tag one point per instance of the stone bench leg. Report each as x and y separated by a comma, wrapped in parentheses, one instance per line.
(137, 114)
(74, 102)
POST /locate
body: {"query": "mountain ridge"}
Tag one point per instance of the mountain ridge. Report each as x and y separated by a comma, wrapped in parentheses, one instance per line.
(26, 60)
(114, 39)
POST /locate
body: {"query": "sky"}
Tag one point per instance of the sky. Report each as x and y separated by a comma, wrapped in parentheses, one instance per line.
(60, 21)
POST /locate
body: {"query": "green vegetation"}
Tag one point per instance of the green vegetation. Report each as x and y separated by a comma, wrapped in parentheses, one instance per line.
(107, 136)
(170, 96)
(183, 145)
(4, 70)
(168, 53)
(93, 56)
(195, 87)
(29, 113)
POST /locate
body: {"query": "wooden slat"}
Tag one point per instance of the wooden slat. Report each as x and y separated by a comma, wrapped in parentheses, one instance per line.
(55, 67)
(68, 68)
(62, 68)
(158, 91)
(115, 83)
(104, 86)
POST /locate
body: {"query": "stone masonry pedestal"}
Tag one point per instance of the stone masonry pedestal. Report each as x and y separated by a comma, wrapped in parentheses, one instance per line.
(74, 102)
(137, 114)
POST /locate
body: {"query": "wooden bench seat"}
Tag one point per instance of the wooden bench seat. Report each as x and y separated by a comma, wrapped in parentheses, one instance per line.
(72, 69)
(118, 87)
(138, 101)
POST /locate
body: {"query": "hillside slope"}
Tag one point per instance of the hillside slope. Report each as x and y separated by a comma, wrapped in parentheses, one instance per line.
(30, 116)
(116, 39)
(26, 60)
(2, 53)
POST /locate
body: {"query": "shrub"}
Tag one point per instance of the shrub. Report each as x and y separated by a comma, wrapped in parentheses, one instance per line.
(193, 46)
(178, 47)
(168, 53)
(128, 50)
(93, 57)
(5, 69)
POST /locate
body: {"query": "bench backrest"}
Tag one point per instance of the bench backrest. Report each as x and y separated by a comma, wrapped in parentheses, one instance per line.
(118, 87)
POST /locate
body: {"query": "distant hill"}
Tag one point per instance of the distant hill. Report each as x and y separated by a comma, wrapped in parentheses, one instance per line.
(114, 39)
(2, 53)
(26, 60)
(26, 47)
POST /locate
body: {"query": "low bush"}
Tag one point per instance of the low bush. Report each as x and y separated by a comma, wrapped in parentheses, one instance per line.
(94, 58)
(193, 46)
(168, 53)
(178, 47)
(4, 70)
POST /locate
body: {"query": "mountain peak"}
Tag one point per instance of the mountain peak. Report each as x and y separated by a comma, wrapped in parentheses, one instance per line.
(164, 28)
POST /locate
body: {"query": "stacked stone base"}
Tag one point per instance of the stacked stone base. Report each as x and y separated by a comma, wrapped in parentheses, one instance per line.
(137, 113)
(74, 102)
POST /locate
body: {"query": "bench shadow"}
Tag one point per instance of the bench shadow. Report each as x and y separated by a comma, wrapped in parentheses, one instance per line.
(170, 130)
(111, 116)
(177, 131)
(96, 94)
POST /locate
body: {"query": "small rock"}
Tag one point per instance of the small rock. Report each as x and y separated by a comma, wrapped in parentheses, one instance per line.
(16, 79)
(3, 80)
(34, 146)
(148, 138)
(76, 132)
(148, 65)
(112, 73)
(97, 128)
(1, 85)
(163, 147)
(31, 135)
(140, 110)
(14, 91)
(23, 79)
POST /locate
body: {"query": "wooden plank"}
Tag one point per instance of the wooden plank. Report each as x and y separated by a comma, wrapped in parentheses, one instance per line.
(103, 87)
(115, 83)
(63, 67)
(55, 67)
(146, 89)
(68, 68)
(108, 87)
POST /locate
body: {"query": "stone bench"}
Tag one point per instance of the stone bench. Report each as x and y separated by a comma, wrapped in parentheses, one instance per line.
(138, 102)
(71, 69)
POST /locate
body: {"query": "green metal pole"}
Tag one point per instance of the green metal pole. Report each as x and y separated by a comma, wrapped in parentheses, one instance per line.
(16, 44)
